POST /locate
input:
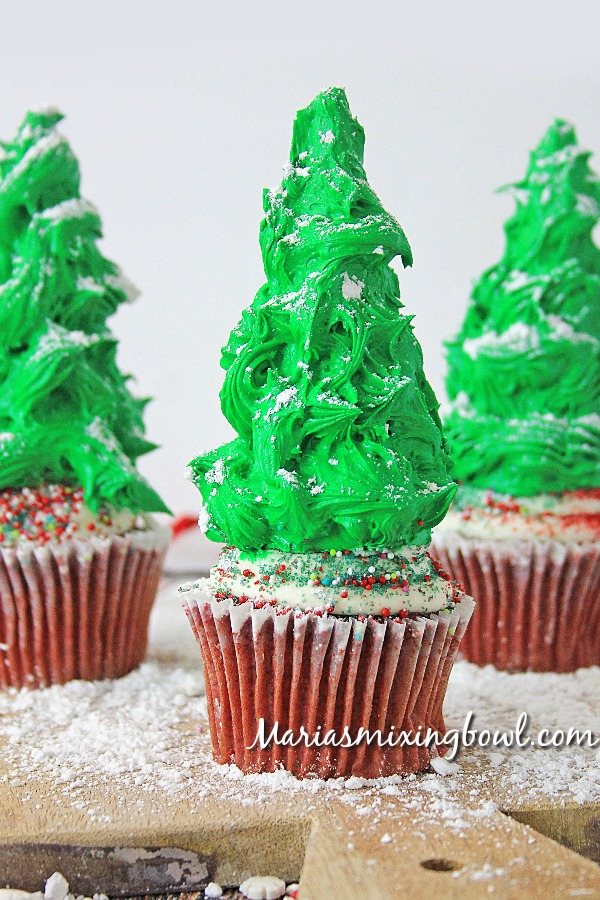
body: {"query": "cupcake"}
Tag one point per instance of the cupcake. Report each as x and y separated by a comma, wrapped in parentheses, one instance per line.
(523, 534)
(80, 557)
(325, 614)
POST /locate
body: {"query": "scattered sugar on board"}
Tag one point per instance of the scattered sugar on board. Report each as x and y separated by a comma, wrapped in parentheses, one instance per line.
(148, 732)
(57, 888)
(263, 887)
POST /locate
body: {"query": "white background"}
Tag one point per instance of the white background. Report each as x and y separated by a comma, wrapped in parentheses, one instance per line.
(180, 116)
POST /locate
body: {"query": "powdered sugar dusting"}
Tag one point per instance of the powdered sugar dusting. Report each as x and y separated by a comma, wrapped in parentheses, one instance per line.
(147, 732)
(351, 287)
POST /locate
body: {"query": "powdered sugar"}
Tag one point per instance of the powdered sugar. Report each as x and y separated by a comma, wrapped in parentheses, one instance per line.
(147, 732)
(57, 888)
(522, 338)
(351, 287)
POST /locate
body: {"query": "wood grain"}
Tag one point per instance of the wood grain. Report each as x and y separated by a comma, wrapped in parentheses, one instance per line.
(325, 843)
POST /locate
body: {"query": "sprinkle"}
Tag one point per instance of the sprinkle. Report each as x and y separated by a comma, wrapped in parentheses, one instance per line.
(385, 612)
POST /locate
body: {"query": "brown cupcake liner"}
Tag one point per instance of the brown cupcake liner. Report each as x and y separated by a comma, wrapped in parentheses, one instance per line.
(538, 603)
(324, 673)
(77, 609)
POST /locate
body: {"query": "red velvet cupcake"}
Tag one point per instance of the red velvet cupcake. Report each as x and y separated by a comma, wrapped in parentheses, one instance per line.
(524, 385)
(326, 631)
(80, 557)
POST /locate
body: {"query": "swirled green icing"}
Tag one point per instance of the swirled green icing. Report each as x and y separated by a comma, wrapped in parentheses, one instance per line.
(339, 440)
(66, 415)
(524, 370)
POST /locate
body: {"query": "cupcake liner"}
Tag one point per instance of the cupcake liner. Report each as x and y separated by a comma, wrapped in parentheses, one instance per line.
(538, 603)
(77, 609)
(322, 672)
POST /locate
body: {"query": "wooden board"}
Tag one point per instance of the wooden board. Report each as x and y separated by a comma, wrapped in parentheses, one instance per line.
(426, 837)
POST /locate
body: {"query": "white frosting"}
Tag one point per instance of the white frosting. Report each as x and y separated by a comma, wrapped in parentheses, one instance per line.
(541, 518)
(152, 537)
(315, 581)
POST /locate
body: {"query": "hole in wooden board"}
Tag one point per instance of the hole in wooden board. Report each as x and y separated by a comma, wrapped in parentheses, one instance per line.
(575, 827)
(437, 864)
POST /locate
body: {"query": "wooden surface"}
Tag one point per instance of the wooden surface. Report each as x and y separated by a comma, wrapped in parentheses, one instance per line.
(331, 848)
(429, 837)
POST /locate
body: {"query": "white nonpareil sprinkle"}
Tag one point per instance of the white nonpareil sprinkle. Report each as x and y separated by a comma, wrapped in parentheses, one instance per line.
(263, 887)
(213, 891)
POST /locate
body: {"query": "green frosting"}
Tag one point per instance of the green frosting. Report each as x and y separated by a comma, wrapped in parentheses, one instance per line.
(66, 415)
(340, 443)
(524, 370)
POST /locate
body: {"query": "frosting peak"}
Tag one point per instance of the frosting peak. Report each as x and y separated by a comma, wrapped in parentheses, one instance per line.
(524, 370)
(66, 414)
(339, 440)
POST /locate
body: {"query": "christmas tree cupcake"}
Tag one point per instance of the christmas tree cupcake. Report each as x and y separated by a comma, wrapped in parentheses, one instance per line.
(524, 426)
(325, 613)
(80, 558)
